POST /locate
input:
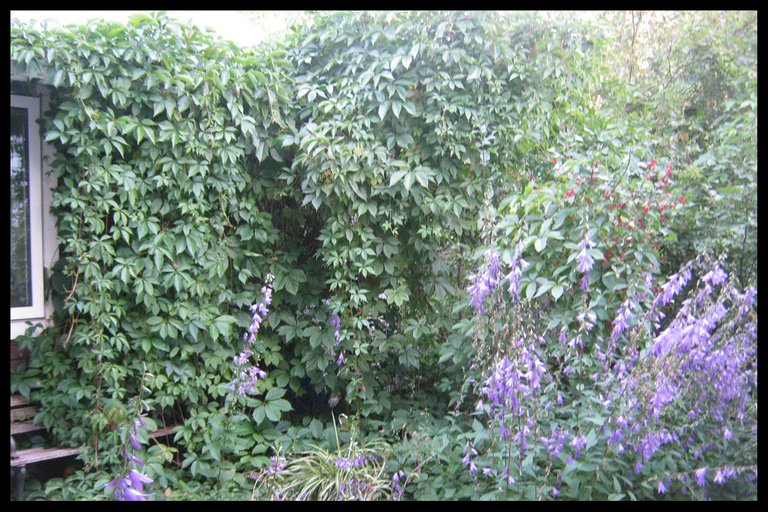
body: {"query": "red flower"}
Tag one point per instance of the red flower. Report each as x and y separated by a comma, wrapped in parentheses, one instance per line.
(653, 164)
(669, 170)
(568, 194)
(661, 186)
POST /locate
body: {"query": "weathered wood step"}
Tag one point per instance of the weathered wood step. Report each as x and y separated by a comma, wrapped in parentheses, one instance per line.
(23, 413)
(39, 454)
(18, 401)
(24, 427)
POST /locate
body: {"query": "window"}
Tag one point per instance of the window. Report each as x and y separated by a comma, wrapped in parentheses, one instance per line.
(27, 294)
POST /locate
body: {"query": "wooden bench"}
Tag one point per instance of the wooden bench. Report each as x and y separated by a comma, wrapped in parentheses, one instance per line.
(22, 415)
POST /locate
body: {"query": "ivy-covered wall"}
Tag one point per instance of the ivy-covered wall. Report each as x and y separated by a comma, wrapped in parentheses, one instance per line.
(357, 163)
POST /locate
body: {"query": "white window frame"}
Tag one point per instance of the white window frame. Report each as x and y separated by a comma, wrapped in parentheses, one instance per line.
(37, 309)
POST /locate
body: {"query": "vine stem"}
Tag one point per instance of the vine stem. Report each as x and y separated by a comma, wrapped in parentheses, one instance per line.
(71, 329)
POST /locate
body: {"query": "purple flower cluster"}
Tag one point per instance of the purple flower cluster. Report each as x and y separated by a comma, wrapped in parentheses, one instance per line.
(247, 376)
(701, 366)
(554, 444)
(355, 490)
(397, 489)
(683, 387)
(336, 322)
(585, 260)
(130, 487)
(489, 277)
(674, 285)
(469, 452)
(621, 321)
(723, 474)
(349, 463)
(485, 280)
(276, 466)
(516, 271)
(513, 385)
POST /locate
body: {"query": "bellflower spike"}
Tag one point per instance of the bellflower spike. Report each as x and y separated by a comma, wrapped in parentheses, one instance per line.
(584, 259)
(516, 271)
(336, 322)
(484, 281)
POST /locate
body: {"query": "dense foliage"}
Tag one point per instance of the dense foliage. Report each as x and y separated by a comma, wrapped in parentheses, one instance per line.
(449, 228)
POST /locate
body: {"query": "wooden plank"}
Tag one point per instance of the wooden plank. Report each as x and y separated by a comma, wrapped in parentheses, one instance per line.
(33, 455)
(24, 427)
(23, 413)
(162, 432)
(18, 401)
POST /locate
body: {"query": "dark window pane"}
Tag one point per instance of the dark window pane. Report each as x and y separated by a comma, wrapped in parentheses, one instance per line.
(21, 269)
